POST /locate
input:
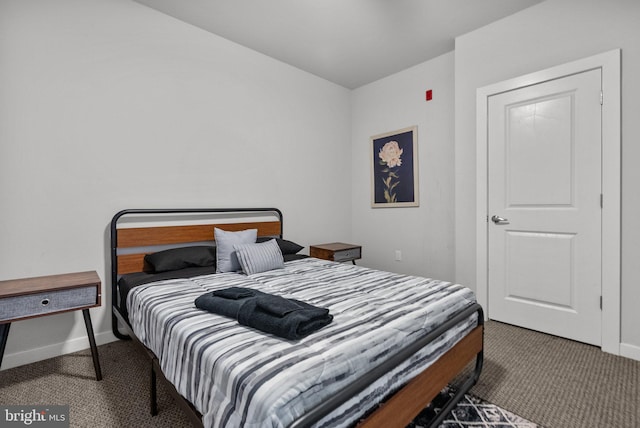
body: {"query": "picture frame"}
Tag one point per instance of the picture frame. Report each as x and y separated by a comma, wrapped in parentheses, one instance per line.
(394, 169)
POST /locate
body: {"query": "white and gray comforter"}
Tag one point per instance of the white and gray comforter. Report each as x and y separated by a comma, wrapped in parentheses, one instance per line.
(240, 377)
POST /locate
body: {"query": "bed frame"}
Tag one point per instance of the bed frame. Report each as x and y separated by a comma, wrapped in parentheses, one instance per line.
(130, 244)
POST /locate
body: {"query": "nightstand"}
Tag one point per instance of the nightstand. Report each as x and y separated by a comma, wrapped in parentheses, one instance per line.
(337, 252)
(26, 298)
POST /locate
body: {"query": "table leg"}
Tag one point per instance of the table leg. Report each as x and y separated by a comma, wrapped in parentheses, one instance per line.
(92, 343)
(4, 334)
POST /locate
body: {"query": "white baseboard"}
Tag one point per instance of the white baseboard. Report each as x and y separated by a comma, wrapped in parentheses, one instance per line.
(630, 351)
(38, 354)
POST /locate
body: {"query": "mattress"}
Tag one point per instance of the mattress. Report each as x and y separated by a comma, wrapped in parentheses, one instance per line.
(236, 376)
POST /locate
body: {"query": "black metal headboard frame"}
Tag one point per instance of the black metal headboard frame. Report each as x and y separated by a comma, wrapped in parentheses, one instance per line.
(115, 311)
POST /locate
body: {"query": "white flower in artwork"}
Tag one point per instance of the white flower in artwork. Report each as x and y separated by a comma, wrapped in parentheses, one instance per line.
(390, 154)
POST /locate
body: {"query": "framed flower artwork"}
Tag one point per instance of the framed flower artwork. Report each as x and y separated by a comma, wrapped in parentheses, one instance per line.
(394, 169)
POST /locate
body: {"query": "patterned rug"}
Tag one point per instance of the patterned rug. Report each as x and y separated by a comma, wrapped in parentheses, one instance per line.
(471, 412)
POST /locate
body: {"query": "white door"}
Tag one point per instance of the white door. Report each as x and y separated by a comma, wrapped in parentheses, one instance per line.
(544, 200)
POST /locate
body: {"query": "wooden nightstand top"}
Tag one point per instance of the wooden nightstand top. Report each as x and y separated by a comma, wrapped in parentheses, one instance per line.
(22, 286)
(335, 246)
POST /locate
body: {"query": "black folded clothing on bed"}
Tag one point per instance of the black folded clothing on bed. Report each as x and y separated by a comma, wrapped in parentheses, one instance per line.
(288, 318)
(276, 305)
(236, 293)
(226, 302)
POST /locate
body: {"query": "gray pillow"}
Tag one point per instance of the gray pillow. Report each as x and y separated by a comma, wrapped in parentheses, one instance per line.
(260, 257)
(226, 258)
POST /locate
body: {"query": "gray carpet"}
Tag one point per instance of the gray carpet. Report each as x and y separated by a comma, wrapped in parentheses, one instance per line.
(120, 399)
(557, 382)
(551, 381)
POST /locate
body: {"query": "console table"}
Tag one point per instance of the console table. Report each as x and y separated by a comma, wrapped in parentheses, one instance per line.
(25, 298)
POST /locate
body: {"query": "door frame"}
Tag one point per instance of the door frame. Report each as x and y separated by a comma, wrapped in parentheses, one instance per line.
(609, 63)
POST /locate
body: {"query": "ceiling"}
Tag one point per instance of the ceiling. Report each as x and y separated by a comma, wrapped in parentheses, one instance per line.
(348, 42)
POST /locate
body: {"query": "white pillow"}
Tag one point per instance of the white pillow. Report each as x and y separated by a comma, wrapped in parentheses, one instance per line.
(226, 258)
(261, 257)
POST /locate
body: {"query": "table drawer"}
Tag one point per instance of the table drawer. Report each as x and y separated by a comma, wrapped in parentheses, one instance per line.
(29, 305)
(346, 255)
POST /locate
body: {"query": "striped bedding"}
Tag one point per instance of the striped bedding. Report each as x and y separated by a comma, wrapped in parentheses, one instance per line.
(239, 377)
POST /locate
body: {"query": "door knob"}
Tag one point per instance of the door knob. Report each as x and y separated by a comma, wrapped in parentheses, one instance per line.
(499, 220)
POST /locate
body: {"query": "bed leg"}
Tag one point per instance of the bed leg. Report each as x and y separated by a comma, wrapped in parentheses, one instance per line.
(114, 328)
(153, 391)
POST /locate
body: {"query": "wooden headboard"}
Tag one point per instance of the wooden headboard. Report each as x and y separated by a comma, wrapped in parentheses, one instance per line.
(129, 245)
(141, 237)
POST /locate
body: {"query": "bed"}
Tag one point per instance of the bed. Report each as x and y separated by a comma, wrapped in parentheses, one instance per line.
(394, 343)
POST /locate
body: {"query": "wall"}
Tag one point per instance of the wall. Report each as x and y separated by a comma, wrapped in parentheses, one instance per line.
(548, 34)
(107, 105)
(424, 234)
